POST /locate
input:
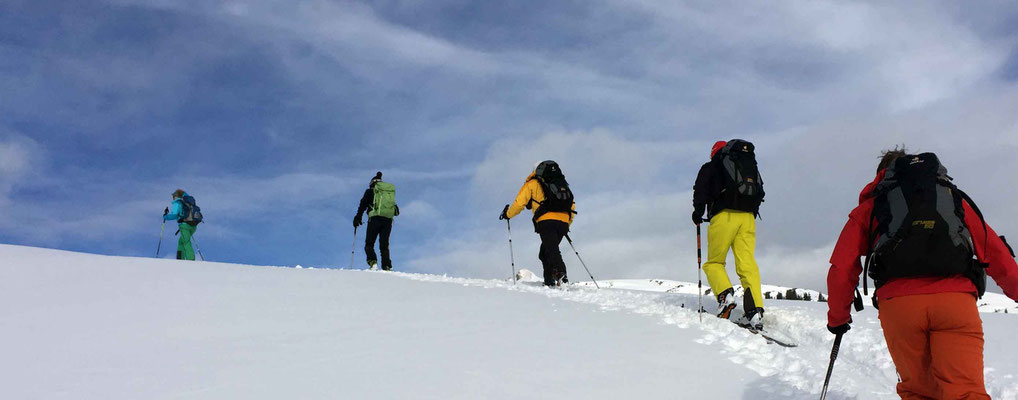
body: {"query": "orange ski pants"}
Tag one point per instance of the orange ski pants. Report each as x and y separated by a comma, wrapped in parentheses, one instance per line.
(936, 342)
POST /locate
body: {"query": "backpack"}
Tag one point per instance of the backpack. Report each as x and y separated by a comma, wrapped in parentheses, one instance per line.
(920, 225)
(190, 212)
(742, 187)
(384, 204)
(557, 195)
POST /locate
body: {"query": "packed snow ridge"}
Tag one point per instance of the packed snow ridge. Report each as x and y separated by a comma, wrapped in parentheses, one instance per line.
(79, 326)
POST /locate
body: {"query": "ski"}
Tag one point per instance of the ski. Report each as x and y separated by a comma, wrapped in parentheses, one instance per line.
(767, 336)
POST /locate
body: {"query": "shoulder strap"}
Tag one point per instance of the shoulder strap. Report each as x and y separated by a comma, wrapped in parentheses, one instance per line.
(869, 255)
(972, 203)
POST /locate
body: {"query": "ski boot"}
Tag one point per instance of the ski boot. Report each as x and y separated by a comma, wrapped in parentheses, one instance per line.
(372, 265)
(726, 303)
(753, 319)
(386, 268)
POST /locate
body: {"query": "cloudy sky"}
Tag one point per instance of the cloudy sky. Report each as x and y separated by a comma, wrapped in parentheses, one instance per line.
(275, 115)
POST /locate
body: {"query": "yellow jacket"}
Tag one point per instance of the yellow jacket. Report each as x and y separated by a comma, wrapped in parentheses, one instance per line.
(531, 193)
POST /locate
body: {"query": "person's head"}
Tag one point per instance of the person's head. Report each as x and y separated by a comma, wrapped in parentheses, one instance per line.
(717, 147)
(177, 194)
(376, 179)
(887, 157)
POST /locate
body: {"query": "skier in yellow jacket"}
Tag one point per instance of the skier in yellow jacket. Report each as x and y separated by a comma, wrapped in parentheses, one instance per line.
(547, 194)
(730, 190)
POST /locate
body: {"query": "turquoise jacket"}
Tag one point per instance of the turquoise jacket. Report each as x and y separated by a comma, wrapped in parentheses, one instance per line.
(176, 210)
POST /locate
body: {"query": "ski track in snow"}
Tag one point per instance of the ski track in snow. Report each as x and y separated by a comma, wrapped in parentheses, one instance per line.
(864, 369)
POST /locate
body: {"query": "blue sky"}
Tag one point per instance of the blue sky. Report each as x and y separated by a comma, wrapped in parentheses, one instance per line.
(275, 115)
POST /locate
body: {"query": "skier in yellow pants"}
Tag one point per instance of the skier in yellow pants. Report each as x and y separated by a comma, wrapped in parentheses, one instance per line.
(730, 190)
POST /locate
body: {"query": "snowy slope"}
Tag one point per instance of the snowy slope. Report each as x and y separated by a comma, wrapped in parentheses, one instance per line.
(990, 303)
(77, 326)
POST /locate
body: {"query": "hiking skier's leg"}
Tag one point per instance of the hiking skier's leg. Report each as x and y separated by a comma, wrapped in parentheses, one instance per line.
(743, 247)
(184, 249)
(720, 235)
(562, 231)
(906, 325)
(956, 346)
(383, 241)
(374, 228)
(551, 233)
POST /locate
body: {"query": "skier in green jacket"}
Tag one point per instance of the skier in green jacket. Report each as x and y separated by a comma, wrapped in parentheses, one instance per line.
(380, 203)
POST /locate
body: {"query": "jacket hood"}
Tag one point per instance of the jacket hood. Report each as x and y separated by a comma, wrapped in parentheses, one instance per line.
(532, 176)
(867, 192)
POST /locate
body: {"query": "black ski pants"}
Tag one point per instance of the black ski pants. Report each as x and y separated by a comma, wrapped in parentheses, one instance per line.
(378, 228)
(552, 233)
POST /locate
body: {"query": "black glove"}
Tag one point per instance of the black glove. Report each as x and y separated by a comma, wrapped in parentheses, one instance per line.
(840, 329)
(397, 210)
(505, 212)
(166, 211)
(357, 221)
(698, 214)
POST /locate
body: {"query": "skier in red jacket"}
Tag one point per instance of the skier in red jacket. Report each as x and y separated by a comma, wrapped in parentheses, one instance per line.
(931, 323)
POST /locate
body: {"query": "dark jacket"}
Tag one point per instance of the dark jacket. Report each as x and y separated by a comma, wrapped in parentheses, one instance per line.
(707, 191)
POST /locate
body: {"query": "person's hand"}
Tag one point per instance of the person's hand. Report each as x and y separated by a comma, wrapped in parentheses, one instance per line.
(697, 218)
(357, 221)
(166, 211)
(840, 329)
(505, 212)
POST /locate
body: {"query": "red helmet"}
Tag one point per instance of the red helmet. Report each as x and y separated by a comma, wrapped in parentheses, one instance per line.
(717, 146)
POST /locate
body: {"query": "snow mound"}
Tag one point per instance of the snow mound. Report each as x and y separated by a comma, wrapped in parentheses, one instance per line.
(990, 303)
(80, 326)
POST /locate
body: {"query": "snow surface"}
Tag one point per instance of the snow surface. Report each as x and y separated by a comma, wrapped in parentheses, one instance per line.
(79, 326)
(990, 303)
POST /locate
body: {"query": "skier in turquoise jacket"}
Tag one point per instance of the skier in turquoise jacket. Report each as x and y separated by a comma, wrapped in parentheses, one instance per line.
(187, 227)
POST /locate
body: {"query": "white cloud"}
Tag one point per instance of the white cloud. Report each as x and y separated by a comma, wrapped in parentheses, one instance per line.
(19, 158)
(417, 210)
(900, 54)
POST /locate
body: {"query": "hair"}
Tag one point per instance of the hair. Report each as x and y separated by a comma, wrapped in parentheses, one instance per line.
(887, 157)
(178, 193)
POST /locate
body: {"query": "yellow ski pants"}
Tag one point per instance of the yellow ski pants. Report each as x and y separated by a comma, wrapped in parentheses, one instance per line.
(735, 230)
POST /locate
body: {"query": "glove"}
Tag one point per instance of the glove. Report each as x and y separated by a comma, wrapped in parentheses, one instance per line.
(840, 329)
(505, 212)
(166, 211)
(397, 210)
(698, 214)
(357, 221)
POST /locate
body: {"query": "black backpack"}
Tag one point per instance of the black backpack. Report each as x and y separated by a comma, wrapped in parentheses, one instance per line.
(920, 225)
(190, 213)
(742, 187)
(557, 196)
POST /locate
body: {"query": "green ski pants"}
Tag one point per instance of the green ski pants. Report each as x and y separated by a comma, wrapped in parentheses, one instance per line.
(184, 249)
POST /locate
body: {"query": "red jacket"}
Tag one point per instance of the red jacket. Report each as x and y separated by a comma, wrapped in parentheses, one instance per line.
(843, 277)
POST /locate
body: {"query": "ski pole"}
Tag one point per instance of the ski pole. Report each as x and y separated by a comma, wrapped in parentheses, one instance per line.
(195, 241)
(699, 274)
(834, 356)
(160, 245)
(353, 246)
(581, 261)
(512, 257)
